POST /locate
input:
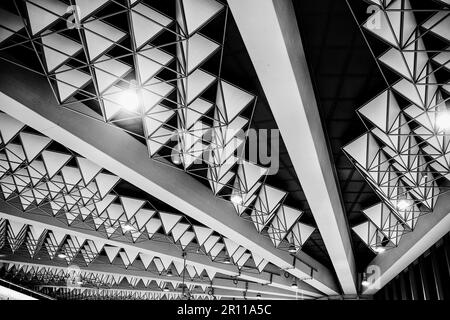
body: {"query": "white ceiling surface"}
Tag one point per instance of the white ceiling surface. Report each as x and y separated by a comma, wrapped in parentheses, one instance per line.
(35, 175)
(107, 74)
(290, 94)
(85, 192)
(9, 294)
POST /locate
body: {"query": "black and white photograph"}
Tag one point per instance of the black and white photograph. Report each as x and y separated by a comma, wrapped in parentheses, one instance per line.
(224, 158)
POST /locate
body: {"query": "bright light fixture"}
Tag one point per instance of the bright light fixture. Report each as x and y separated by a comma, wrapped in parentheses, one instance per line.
(166, 289)
(403, 204)
(236, 199)
(62, 256)
(379, 249)
(443, 121)
(128, 227)
(292, 248)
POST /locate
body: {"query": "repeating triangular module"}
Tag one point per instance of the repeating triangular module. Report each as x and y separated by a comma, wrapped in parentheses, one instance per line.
(88, 169)
(69, 81)
(111, 252)
(9, 24)
(202, 234)
(147, 23)
(9, 127)
(88, 7)
(58, 49)
(169, 220)
(54, 161)
(105, 183)
(100, 36)
(131, 206)
(198, 12)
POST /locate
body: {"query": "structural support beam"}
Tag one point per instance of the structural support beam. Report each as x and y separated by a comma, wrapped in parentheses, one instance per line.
(126, 157)
(429, 229)
(281, 66)
(104, 268)
(158, 249)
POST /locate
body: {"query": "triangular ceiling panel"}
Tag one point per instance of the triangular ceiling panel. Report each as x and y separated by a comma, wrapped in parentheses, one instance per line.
(199, 12)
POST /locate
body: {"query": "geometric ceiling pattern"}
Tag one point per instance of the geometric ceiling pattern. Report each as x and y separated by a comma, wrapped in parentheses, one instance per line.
(58, 279)
(63, 185)
(404, 155)
(155, 71)
(40, 177)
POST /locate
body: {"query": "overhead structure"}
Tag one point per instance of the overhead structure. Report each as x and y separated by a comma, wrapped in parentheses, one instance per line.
(404, 155)
(81, 195)
(429, 230)
(288, 88)
(167, 82)
(91, 138)
(106, 276)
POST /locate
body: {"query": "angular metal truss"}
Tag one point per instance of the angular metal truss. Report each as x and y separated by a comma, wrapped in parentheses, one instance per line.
(42, 182)
(153, 72)
(75, 190)
(404, 156)
(113, 279)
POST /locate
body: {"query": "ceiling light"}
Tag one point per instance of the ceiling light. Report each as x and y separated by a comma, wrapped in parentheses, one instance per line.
(62, 256)
(294, 285)
(166, 289)
(292, 248)
(379, 249)
(169, 273)
(227, 260)
(404, 204)
(443, 121)
(176, 156)
(236, 199)
(258, 296)
(127, 227)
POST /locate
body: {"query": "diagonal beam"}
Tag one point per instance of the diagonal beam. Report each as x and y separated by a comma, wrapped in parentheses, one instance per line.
(105, 268)
(126, 157)
(158, 249)
(429, 229)
(281, 66)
